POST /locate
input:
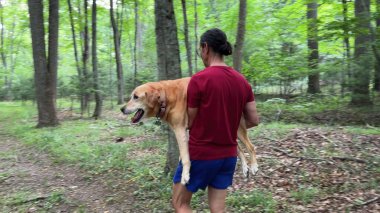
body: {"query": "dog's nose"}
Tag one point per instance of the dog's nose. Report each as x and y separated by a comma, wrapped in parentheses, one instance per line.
(122, 110)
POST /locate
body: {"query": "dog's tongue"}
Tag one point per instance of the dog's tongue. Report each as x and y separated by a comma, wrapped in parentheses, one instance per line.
(136, 117)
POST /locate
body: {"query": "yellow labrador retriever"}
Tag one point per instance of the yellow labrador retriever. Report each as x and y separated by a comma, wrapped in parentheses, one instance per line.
(167, 100)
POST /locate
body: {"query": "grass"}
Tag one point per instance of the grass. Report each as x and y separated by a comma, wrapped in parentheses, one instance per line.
(91, 145)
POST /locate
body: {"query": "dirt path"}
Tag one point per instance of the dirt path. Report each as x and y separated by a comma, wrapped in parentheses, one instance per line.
(30, 181)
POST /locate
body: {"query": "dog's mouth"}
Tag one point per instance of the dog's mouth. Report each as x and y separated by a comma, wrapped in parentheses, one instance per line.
(138, 115)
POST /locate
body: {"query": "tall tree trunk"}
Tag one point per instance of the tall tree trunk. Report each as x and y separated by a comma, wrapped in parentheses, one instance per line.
(79, 71)
(312, 43)
(119, 66)
(135, 47)
(363, 58)
(187, 42)
(168, 62)
(376, 86)
(196, 36)
(85, 57)
(238, 49)
(45, 70)
(98, 98)
(347, 73)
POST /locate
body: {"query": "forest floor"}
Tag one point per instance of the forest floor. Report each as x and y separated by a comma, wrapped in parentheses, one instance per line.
(109, 166)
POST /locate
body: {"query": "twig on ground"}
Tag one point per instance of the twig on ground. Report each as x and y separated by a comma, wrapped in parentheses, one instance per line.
(280, 167)
(366, 202)
(31, 200)
(349, 159)
(299, 157)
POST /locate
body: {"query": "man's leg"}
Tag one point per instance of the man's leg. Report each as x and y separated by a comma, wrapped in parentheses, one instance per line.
(217, 199)
(181, 198)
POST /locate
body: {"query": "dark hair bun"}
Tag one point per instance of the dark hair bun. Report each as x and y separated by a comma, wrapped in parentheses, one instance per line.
(226, 49)
(217, 40)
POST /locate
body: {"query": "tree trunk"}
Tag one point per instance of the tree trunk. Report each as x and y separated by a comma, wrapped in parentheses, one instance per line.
(135, 47)
(45, 70)
(98, 98)
(196, 36)
(347, 73)
(363, 58)
(312, 43)
(119, 66)
(187, 42)
(238, 48)
(376, 86)
(79, 71)
(168, 61)
(85, 57)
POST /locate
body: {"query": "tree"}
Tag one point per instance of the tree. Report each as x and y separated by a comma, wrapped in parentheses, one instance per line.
(98, 98)
(347, 46)
(312, 43)
(361, 74)
(119, 65)
(168, 62)
(136, 43)
(238, 48)
(196, 35)
(85, 57)
(376, 86)
(45, 69)
(187, 42)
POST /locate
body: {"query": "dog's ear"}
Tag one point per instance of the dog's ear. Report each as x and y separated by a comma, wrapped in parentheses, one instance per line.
(152, 97)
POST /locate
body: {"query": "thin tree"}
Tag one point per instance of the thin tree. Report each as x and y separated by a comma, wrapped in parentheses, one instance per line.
(85, 57)
(363, 59)
(312, 43)
(77, 64)
(45, 68)
(238, 48)
(376, 85)
(346, 41)
(96, 86)
(136, 44)
(168, 61)
(119, 65)
(187, 42)
(196, 35)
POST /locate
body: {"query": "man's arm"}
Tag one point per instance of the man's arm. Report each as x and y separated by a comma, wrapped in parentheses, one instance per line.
(250, 115)
(191, 113)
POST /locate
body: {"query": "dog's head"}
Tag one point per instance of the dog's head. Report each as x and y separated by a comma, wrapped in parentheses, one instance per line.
(144, 102)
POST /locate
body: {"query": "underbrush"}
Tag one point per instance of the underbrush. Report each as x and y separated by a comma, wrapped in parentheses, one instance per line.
(136, 154)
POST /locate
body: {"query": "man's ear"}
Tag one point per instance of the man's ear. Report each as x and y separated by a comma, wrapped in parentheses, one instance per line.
(152, 97)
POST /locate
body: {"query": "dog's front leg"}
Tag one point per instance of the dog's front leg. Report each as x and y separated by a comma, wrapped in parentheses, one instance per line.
(183, 145)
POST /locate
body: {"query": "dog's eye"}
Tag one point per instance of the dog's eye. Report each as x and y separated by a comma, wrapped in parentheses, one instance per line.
(135, 97)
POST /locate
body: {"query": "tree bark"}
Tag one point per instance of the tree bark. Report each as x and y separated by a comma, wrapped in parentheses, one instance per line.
(135, 47)
(376, 86)
(238, 48)
(312, 43)
(168, 62)
(119, 66)
(187, 42)
(347, 73)
(77, 65)
(98, 98)
(361, 74)
(45, 70)
(85, 57)
(196, 36)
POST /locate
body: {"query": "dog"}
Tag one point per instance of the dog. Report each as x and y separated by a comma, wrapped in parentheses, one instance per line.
(167, 100)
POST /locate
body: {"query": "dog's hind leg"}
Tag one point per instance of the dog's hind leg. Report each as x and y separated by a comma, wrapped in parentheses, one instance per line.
(183, 146)
(243, 136)
(244, 165)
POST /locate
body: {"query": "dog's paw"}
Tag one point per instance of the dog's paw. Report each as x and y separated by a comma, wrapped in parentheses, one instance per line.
(245, 170)
(185, 178)
(254, 168)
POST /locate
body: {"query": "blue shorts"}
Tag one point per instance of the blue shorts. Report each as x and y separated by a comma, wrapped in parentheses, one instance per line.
(215, 173)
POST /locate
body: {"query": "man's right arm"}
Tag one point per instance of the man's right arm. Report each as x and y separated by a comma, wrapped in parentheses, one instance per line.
(250, 115)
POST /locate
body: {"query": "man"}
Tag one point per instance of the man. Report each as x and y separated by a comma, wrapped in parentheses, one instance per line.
(216, 97)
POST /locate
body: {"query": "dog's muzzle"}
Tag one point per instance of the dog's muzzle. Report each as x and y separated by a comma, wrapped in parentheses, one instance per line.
(125, 111)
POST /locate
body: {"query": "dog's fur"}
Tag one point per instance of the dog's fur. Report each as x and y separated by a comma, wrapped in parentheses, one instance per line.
(167, 100)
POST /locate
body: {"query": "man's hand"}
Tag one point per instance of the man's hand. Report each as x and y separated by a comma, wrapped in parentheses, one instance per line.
(250, 115)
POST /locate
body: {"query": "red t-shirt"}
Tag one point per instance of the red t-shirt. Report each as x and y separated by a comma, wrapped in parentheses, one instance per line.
(220, 93)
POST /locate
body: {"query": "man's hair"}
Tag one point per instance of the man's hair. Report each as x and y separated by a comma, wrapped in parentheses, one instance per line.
(217, 40)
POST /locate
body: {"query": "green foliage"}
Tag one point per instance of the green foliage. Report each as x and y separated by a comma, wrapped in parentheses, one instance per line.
(305, 194)
(255, 201)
